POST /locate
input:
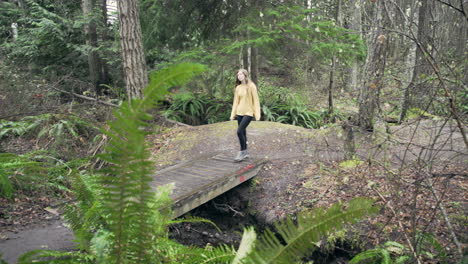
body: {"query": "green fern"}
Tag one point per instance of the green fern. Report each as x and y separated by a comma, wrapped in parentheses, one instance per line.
(311, 226)
(41, 256)
(127, 194)
(383, 254)
(11, 128)
(17, 171)
(426, 243)
(86, 215)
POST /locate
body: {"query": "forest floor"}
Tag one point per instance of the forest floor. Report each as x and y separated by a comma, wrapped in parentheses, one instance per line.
(305, 170)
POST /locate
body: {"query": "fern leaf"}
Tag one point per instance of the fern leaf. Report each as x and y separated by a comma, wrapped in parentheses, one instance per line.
(53, 257)
(127, 195)
(246, 245)
(366, 255)
(311, 226)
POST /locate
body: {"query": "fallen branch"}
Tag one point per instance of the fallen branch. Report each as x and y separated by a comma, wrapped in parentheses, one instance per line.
(113, 105)
(85, 97)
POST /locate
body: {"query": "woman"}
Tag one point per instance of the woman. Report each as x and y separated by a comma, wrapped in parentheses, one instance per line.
(245, 106)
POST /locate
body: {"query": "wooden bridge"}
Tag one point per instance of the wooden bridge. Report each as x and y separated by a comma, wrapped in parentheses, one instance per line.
(201, 180)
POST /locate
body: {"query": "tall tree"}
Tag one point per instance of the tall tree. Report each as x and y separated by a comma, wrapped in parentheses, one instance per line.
(355, 24)
(94, 63)
(419, 86)
(134, 64)
(375, 66)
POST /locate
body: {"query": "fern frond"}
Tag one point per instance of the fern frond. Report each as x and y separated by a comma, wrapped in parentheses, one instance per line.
(310, 228)
(246, 245)
(218, 255)
(127, 195)
(54, 257)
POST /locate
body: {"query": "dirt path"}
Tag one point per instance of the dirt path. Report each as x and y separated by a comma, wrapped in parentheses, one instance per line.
(47, 235)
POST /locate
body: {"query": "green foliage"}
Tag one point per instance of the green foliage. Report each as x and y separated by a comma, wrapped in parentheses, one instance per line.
(301, 27)
(394, 253)
(18, 171)
(281, 105)
(126, 193)
(44, 36)
(383, 254)
(9, 14)
(299, 239)
(12, 128)
(34, 172)
(1, 260)
(428, 246)
(56, 127)
(419, 113)
(197, 109)
(85, 216)
(41, 256)
(348, 164)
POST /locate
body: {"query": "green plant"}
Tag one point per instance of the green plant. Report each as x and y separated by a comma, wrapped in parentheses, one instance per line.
(197, 109)
(383, 254)
(17, 171)
(12, 128)
(392, 252)
(35, 172)
(55, 257)
(299, 239)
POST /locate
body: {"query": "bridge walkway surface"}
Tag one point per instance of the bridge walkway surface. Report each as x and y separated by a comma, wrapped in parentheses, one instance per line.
(198, 181)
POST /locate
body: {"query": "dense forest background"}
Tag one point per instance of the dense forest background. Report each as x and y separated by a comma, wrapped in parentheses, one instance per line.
(360, 64)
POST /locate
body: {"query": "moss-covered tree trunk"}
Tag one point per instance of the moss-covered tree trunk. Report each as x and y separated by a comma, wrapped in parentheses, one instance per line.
(134, 64)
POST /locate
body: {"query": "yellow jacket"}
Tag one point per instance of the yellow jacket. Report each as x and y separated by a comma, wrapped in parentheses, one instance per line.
(246, 101)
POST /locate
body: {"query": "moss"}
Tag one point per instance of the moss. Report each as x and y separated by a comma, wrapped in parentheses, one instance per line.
(416, 112)
(348, 164)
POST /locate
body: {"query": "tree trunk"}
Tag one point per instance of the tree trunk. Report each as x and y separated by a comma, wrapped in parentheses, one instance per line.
(411, 64)
(91, 41)
(136, 78)
(349, 144)
(245, 57)
(370, 91)
(355, 25)
(419, 87)
(330, 91)
(333, 67)
(254, 64)
(104, 77)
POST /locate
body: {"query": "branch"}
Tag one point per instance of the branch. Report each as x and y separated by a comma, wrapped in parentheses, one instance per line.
(444, 213)
(435, 67)
(85, 97)
(114, 105)
(400, 225)
(461, 10)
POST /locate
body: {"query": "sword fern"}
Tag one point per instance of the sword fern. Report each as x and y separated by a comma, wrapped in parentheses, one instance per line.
(300, 239)
(127, 195)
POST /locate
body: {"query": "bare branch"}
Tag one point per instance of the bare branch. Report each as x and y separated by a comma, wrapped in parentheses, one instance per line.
(461, 9)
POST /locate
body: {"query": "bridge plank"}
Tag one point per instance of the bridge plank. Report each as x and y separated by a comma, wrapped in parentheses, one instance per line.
(199, 181)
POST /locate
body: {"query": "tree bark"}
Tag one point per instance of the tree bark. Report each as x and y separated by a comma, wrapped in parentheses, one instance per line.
(104, 77)
(375, 66)
(135, 74)
(355, 25)
(92, 42)
(419, 87)
(254, 64)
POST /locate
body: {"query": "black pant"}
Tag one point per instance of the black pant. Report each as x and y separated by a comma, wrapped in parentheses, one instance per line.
(243, 122)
